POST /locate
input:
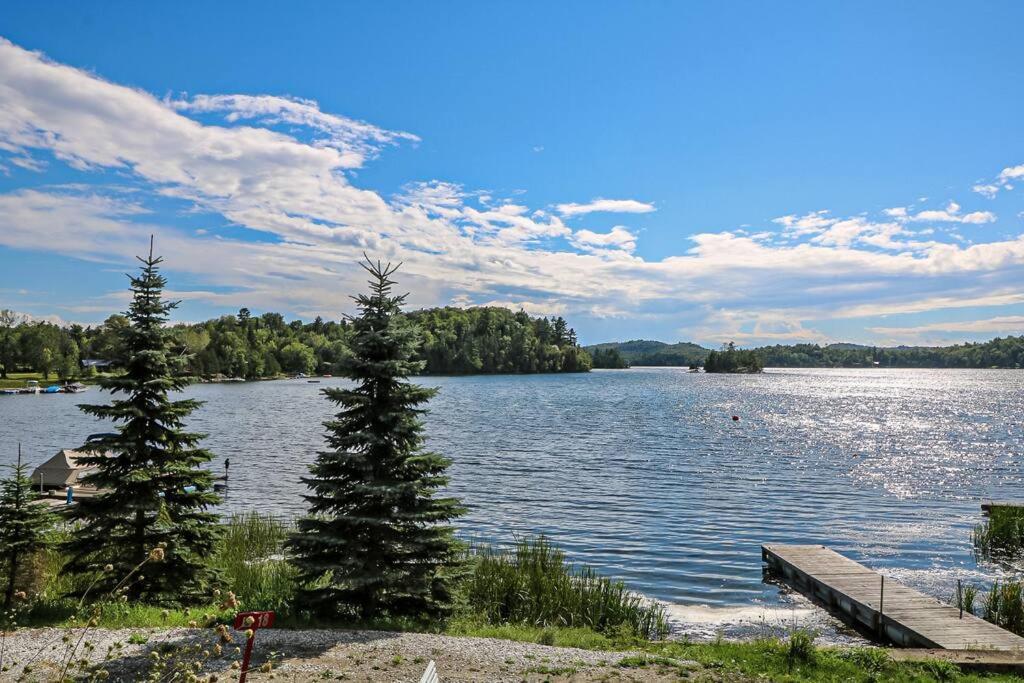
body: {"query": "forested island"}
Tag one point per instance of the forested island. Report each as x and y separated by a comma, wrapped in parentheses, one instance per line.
(733, 360)
(452, 341)
(1005, 352)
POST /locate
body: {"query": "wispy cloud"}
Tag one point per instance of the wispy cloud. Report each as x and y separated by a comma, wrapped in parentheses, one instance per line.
(1004, 181)
(605, 205)
(1000, 324)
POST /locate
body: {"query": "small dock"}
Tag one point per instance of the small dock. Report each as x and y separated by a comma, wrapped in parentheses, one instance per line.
(987, 505)
(886, 609)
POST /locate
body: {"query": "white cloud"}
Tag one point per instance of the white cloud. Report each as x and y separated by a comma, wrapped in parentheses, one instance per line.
(619, 237)
(357, 138)
(808, 224)
(1004, 181)
(292, 186)
(606, 205)
(1006, 324)
(951, 214)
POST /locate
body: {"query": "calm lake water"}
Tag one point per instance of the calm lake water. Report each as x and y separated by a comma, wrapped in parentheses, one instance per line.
(643, 473)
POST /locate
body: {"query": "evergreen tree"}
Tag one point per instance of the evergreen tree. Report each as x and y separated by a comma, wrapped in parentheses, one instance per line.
(153, 490)
(377, 542)
(24, 526)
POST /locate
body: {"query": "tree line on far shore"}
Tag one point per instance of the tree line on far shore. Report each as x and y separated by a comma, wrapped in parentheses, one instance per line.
(480, 340)
(1001, 352)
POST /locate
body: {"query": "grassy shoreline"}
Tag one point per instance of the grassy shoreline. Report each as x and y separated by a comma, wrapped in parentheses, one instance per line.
(529, 594)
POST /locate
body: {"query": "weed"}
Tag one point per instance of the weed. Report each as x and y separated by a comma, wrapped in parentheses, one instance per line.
(800, 648)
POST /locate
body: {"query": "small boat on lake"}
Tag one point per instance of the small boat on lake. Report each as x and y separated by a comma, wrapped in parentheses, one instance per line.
(74, 388)
(52, 389)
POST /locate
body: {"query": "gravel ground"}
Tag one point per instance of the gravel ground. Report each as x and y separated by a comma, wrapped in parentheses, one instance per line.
(320, 655)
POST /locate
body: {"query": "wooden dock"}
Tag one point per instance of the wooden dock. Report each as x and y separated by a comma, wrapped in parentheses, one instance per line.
(892, 613)
(987, 505)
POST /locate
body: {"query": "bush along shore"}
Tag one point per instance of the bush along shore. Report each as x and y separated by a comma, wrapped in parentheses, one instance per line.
(375, 553)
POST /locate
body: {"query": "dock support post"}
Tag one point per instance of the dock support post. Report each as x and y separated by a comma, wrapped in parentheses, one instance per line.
(881, 607)
(960, 597)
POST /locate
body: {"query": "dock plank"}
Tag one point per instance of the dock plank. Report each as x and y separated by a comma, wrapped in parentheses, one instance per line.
(908, 617)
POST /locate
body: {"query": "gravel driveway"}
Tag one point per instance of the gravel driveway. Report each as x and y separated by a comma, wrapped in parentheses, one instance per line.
(317, 655)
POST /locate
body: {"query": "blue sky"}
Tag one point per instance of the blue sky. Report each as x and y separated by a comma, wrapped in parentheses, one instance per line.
(681, 171)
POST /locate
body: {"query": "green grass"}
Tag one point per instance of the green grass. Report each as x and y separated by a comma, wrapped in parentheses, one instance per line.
(16, 380)
(774, 660)
(582, 638)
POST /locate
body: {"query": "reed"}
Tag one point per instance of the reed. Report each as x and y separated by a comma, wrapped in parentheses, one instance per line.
(1004, 606)
(965, 598)
(251, 559)
(1001, 536)
(534, 585)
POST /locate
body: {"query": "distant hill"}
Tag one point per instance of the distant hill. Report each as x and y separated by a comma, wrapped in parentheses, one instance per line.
(1005, 352)
(648, 352)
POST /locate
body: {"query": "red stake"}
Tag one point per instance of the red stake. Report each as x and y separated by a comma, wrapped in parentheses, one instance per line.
(253, 621)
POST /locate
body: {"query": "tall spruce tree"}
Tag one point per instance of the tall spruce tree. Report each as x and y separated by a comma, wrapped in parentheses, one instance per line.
(154, 491)
(377, 542)
(25, 524)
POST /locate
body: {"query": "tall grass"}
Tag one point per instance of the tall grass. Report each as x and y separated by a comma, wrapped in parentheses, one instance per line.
(1004, 606)
(1001, 536)
(251, 558)
(534, 585)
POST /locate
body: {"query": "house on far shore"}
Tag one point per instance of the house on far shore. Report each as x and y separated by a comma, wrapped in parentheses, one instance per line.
(97, 363)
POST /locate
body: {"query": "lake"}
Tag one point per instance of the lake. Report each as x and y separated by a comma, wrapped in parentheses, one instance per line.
(644, 474)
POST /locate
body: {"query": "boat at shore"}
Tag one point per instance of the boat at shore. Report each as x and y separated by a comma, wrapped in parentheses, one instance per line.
(32, 387)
